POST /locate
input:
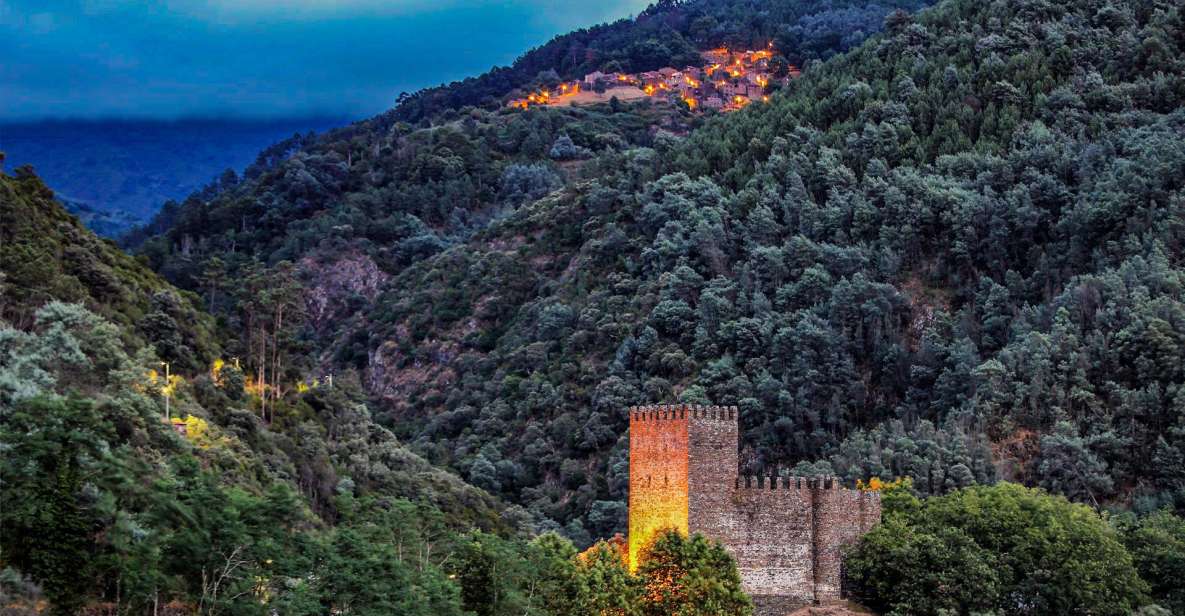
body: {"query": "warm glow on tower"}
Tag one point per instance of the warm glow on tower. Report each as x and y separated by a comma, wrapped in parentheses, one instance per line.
(658, 497)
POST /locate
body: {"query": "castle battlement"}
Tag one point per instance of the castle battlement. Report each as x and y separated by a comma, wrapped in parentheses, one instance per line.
(773, 482)
(785, 532)
(660, 412)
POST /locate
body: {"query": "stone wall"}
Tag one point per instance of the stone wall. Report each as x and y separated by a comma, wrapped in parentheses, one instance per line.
(771, 535)
(786, 533)
(841, 517)
(658, 475)
(712, 468)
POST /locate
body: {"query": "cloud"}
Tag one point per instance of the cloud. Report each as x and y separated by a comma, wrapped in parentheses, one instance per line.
(88, 58)
(276, 11)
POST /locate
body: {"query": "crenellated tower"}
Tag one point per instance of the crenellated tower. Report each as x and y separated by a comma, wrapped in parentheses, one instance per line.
(683, 458)
(786, 533)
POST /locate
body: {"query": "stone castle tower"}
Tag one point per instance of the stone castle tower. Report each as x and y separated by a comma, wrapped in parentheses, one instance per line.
(785, 533)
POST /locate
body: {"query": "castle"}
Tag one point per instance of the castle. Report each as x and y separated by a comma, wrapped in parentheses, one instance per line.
(784, 532)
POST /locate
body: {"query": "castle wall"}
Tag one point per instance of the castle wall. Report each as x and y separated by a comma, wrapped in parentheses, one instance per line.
(841, 517)
(770, 533)
(766, 528)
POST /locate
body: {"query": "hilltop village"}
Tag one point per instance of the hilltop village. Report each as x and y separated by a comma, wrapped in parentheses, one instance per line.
(727, 81)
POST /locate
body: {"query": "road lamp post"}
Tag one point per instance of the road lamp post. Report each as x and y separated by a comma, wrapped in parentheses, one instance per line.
(165, 390)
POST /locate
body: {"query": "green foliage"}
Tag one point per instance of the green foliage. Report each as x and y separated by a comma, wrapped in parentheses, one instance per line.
(46, 254)
(103, 502)
(677, 576)
(1157, 546)
(1005, 548)
(48, 519)
(690, 576)
(607, 587)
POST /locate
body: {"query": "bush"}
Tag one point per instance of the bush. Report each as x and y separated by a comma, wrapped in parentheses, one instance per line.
(1005, 547)
(1157, 546)
(566, 149)
(523, 183)
(690, 576)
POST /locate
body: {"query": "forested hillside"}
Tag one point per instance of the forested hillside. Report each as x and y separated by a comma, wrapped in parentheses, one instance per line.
(952, 254)
(47, 254)
(129, 489)
(343, 215)
(107, 506)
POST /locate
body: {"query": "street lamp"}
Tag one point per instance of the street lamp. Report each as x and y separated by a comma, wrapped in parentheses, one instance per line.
(165, 390)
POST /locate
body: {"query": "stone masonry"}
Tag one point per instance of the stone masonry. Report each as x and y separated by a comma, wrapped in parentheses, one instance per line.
(784, 532)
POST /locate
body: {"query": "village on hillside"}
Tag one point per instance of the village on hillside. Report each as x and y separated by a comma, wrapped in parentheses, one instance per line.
(727, 81)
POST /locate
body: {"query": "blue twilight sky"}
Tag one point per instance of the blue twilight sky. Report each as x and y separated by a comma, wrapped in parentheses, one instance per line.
(260, 58)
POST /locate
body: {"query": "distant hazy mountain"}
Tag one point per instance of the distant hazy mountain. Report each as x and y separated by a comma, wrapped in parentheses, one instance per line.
(119, 172)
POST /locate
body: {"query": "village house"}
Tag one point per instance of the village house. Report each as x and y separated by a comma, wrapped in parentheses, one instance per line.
(727, 81)
(716, 56)
(730, 89)
(651, 78)
(738, 102)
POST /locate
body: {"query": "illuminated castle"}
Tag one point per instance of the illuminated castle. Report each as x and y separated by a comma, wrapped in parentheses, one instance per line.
(784, 532)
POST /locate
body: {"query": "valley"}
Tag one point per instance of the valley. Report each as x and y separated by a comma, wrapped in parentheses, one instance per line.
(118, 173)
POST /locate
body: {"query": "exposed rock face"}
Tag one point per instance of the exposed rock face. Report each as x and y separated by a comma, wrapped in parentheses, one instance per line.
(786, 533)
(392, 375)
(339, 288)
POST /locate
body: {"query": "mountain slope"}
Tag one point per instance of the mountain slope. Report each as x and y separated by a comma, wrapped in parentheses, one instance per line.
(48, 255)
(953, 253)
(669, 33)
(108, 507)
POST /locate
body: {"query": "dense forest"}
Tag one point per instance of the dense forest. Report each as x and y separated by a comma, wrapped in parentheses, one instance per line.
(952, 254)
(128, 489)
